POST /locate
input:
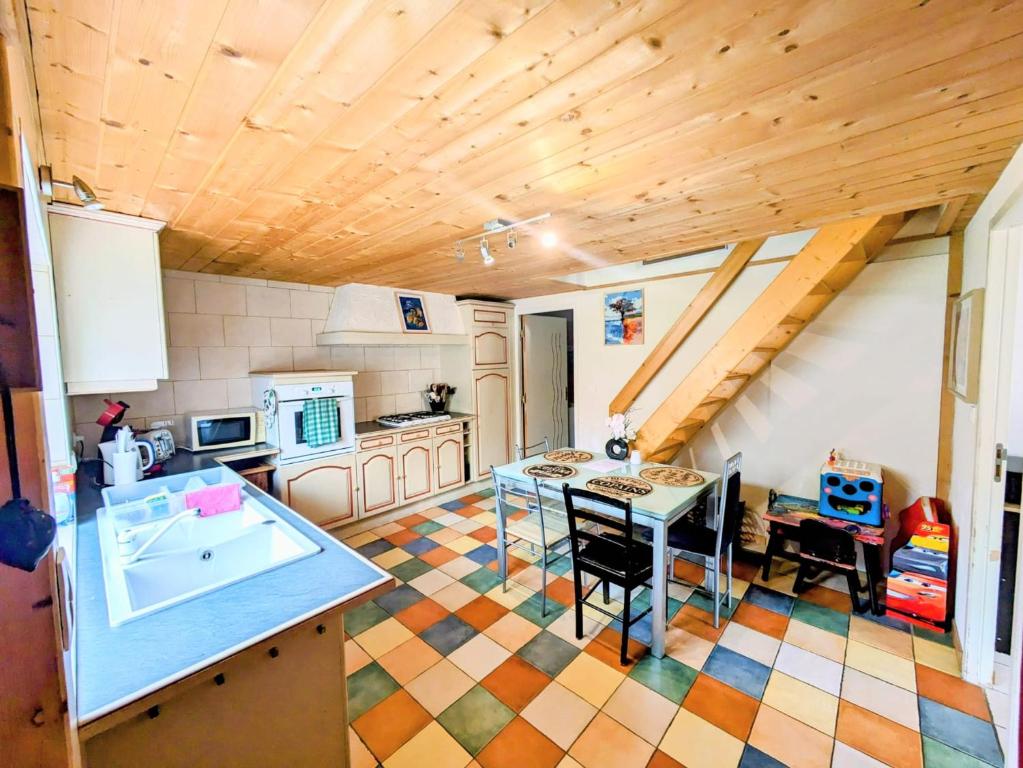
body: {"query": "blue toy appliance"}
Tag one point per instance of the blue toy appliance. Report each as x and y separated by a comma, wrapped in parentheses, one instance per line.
(852, 490)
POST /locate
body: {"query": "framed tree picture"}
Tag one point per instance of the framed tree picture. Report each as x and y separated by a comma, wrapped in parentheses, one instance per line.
(412, 309)
(623, 317)
(964, 349)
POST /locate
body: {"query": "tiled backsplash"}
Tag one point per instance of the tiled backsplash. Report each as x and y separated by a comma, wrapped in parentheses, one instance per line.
(219, 328)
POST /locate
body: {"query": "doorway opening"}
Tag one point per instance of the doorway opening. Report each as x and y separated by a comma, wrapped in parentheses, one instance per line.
(548, 379)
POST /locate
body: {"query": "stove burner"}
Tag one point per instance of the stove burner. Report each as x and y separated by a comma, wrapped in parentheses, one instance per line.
(416, 417)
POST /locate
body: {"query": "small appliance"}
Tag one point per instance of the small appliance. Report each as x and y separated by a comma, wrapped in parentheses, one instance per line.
(126, 459)
(213, 431)
(411, 419)
(163, 444)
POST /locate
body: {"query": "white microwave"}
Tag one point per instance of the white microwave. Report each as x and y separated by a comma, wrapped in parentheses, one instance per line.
(214, 431)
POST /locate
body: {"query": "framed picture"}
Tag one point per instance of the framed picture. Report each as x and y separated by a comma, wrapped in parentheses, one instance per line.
(623, 317)
(413, 313)
(964, 349)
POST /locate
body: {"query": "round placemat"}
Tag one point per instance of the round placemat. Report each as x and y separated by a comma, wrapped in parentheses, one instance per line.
(676, 477)
(568, 456)
(621, 487)
(550, 471)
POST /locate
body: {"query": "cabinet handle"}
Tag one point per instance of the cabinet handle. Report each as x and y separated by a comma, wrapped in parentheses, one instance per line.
(220, 679)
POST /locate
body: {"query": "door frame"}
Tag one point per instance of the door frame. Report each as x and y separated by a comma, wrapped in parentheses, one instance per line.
(520, 378)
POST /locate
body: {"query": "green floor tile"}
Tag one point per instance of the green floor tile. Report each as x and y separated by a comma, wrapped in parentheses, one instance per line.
(548, 653)
(823, 618)
(943, 638)
(532, 609)
(482, 580)
(561, 567)
(410, 569)
(367, 688)
(367, 615)
(475, 719)
(938, 755)
(425, 529)
(705, 603)
(486, 493)
(672, 679)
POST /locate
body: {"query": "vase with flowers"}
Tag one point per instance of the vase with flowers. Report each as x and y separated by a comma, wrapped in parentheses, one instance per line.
(437, 397)
(622, 432)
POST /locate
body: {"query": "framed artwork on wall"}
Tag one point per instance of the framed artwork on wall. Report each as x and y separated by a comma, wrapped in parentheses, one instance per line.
(623, 317)
(413, 313)
(964, 347)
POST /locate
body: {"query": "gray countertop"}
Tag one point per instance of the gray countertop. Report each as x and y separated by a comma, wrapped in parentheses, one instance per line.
(363, 428)
(118, 665)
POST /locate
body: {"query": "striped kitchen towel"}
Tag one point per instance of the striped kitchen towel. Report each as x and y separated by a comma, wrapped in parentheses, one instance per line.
(320, 422)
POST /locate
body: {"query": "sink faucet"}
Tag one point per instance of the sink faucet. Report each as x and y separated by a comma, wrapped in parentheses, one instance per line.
(166, 526)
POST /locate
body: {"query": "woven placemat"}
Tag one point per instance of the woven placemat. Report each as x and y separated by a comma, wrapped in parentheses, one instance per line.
(620, 487)
(550, 471)
(676, 477)
(568, 456)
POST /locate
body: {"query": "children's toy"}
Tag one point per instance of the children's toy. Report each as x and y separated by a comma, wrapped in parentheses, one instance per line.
(918, 583)
(852, 490)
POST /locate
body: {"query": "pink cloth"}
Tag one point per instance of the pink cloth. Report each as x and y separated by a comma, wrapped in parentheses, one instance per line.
(214, 499)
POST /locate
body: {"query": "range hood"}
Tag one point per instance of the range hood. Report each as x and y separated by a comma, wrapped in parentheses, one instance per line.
(369, 314)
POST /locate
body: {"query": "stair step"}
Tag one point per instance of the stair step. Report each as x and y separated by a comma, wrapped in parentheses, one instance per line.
(821, 289)
(737, 377)
(792, 320)
(765, 350)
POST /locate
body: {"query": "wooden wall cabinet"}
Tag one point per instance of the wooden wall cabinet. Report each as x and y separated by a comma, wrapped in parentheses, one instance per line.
(378, 481)
(323, 491)
(106, 271)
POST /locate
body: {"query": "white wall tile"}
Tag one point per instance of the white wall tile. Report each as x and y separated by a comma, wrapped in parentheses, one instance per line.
(408, 402)
(321, 289)
(178, 295)
(360, 409)
(381, 405)
(282, 284)
(200, 396)
(290, 332)
(367, 384)
(42, 295)
(247, 331)
(223, 362)
(348, 358)
(239, 393)
(183, 362)
(406, 358)
(393, 382)
(420, 380)
(152, 403)
(86, 408)
(311, 305)
(243, 280)
(219, 299)
(195, 330)
(380, 358)
(49, 363)
(311, 358)
(58, 440)
(429, 356)
(267, 302)
(270, 359)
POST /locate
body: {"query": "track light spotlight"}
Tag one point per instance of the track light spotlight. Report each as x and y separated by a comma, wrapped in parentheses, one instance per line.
(488, 259)
(459, 251)
(512, 239)
(82, 190)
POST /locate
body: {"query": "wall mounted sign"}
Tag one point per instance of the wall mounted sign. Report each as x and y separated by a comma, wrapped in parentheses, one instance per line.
(413, 313)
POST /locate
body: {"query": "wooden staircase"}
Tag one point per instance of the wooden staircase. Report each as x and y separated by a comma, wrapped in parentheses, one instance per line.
(825, 265)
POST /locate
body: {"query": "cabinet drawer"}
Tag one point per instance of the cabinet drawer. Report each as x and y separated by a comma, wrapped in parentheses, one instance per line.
(376, 442)
(418, 434)
(490, 347)
(490, 316)
(447, 429)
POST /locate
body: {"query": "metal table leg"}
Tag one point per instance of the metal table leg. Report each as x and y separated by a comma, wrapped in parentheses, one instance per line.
(659, 598)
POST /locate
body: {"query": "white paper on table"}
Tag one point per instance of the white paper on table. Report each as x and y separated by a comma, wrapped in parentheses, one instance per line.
(604, 465)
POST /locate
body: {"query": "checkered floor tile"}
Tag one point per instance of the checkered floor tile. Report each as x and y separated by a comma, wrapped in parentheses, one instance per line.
(450, 670)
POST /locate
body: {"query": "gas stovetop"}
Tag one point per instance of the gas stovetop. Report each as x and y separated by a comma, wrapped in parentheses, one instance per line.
(410, 419)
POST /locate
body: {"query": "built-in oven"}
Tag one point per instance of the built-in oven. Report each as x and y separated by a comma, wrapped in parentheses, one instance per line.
(288, 432)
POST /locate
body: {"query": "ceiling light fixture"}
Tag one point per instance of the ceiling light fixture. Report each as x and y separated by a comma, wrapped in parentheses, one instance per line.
(503, 226)
(548, 239)
(82, 190)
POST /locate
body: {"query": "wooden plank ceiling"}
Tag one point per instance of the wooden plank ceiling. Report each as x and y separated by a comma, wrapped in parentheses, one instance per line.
(334, 141)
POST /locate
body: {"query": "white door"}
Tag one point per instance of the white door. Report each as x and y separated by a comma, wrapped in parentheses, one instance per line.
(545, 380)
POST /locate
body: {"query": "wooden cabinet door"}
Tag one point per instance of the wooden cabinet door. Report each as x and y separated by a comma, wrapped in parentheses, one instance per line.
(415, 466)
(378, 481)
(449, 460)
(490, 347)
(322, 491)
(493, 428)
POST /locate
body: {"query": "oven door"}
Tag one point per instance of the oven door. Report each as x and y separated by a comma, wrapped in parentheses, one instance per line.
(293, 444)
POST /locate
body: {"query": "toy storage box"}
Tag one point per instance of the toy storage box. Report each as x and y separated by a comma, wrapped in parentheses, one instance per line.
(853, 491)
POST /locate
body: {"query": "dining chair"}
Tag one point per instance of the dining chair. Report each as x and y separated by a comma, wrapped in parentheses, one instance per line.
(521, 453)
(542, 529)
(822, 547)
(605, 547)
(714, 541)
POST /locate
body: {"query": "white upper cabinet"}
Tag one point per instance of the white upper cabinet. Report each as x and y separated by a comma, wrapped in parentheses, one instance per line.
(106, 271)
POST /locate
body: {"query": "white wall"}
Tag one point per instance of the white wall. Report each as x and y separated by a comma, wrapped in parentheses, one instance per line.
(864, 377)
(1015, 441)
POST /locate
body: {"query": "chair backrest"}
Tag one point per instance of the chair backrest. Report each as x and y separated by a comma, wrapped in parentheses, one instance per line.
(601, 510)
(823, 542)
(507, 494)
(728, 516)
(521, 453)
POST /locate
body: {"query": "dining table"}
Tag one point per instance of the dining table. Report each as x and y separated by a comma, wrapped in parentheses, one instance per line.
(658, 499)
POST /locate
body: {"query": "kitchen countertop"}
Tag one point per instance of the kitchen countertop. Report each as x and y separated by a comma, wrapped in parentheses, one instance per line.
(363, 428)
(118, 665)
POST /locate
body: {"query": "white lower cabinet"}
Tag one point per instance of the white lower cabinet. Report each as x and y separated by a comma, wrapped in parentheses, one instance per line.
(450, 461)
(415, 468)
(492, 396)
(378, 481)
(323, 491)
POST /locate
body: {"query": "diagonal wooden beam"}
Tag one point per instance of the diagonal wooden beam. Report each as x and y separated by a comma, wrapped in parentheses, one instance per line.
(949, 214)
(691, 316)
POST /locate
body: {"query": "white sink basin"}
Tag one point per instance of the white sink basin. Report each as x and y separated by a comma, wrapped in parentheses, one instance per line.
(175, 559)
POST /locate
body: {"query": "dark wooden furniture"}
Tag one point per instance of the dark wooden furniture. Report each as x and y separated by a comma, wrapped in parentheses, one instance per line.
(823, 547)
(19, 358)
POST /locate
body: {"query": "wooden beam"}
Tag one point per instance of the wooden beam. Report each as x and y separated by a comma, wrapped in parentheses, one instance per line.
(947, 407)
(691, 316)
(949, 214)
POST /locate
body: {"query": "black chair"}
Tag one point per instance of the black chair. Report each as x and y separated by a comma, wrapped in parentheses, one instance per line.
(711, 542)
(822, 547)
(606, 548)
